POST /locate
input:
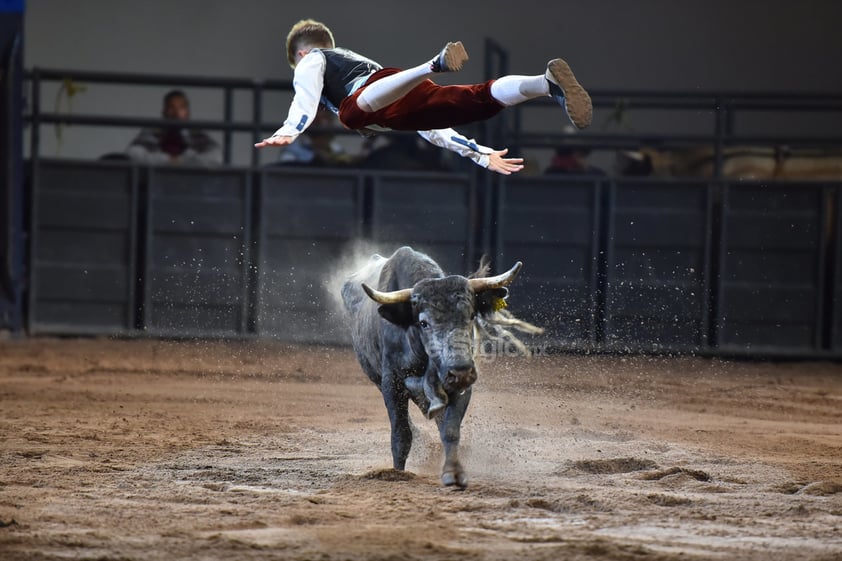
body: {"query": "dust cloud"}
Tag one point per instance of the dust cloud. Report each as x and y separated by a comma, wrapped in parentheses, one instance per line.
(356, 256)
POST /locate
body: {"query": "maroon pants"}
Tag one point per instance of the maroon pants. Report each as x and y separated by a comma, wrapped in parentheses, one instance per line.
(427, 106)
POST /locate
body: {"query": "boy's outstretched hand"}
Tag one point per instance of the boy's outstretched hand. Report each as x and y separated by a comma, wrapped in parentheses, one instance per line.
(275, 141)
(505, 166)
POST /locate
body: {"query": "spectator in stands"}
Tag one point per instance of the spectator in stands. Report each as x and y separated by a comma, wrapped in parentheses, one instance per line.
(402, 152)
(370, 98)
(318, 148)
(174, 144)
(572, 158)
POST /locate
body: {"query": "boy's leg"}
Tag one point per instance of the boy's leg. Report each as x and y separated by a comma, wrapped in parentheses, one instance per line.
(387, 90)
(558, 81)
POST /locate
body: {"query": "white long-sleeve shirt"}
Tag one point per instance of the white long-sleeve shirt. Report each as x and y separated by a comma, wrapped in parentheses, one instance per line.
(308, 81)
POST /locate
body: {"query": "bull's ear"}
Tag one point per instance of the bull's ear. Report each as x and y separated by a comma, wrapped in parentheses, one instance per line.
(400, 313)
(489, 301)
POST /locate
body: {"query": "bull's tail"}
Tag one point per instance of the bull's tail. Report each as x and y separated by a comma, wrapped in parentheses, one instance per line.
(497, 327)
(483, 270)
(507, 319)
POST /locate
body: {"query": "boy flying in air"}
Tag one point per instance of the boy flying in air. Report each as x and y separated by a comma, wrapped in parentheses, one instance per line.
(370, 99)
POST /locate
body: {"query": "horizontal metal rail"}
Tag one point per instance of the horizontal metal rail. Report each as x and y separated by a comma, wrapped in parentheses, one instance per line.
(59, 75)
(108, 121)
(722, 107)
(631, 141)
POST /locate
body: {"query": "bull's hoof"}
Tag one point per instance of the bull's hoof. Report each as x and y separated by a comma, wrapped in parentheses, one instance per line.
(451, 478)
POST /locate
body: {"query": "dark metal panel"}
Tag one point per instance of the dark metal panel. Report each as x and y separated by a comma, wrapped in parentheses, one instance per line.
(430, 212)
(198, 236)
(552, 225)
(656, 265)
(83, 248)
(310, 204)
(772, 268)
(308, 227)
(63, 281)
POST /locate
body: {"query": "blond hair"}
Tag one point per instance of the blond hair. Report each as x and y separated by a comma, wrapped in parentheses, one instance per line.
(307, 33)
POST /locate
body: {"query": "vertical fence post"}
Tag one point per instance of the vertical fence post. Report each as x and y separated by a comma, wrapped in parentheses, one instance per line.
(229, 114)
(720, 128)
(35, 121)
(11, 191)
(826, 270)
(257, 118)
(490, 185)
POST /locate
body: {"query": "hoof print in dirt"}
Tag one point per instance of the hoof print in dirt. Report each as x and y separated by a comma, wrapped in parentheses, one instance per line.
(614, 465)
(661, 474)
(390, 475)
(820, 489)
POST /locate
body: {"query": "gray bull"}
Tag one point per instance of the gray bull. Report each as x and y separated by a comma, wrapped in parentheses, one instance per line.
(417, 322)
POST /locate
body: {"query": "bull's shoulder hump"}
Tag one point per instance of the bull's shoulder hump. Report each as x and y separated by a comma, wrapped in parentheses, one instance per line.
(406, 257)
(405, 251)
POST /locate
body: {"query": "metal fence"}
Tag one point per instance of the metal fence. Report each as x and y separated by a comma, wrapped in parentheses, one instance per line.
(610, 265)
(118, 249)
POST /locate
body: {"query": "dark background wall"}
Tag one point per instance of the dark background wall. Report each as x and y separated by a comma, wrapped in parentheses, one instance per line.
(757, 44)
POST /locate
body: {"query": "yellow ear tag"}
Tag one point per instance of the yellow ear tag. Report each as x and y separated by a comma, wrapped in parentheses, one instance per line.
(499, 304)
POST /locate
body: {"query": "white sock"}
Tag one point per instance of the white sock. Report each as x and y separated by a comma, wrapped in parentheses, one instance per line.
(391, 88)
(511, 90)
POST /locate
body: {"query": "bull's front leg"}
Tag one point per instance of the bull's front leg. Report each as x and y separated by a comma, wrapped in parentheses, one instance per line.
(397, 404)
(450, 427)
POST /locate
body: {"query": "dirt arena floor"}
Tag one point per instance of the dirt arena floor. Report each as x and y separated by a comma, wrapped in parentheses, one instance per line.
(162, 450)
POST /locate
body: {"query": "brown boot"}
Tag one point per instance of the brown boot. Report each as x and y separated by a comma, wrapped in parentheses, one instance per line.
(569, 93)
(450, 59)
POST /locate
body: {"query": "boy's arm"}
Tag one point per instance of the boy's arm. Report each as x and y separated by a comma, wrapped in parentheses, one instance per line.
(307, 81)
(484, 156)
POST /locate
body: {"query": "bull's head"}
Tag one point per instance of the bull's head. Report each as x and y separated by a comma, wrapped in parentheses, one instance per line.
(442, 312)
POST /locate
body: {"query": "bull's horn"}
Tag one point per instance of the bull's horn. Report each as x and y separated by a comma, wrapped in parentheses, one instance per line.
(394, 297)
(488, 283)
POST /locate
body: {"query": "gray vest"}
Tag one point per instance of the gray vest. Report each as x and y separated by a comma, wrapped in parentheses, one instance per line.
(342, 69)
